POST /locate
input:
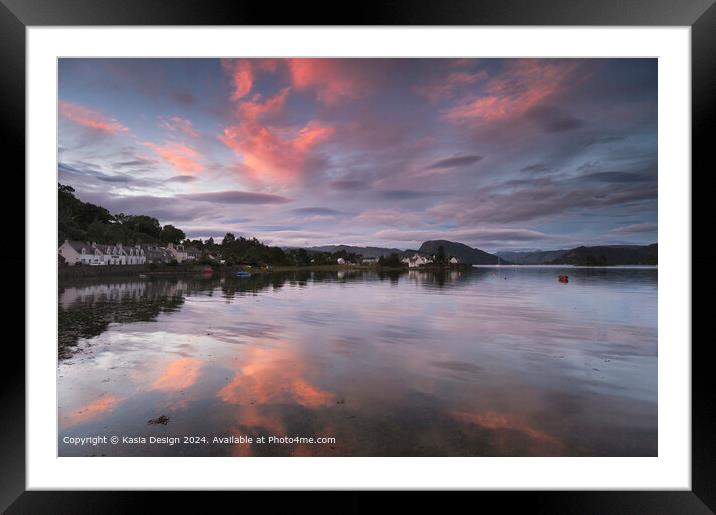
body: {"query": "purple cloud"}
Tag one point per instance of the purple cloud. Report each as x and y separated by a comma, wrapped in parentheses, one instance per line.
(235, 197)
(497, 153)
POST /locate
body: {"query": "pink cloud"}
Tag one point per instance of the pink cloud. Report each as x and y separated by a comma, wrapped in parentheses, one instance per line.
(254, 110)
(523, 85)
(88, 118)
(179, 124)
(445, 88)
(270, 155)
(266, 65)
(273, 152)
(181, 157)
(242, 75)
(333, 80)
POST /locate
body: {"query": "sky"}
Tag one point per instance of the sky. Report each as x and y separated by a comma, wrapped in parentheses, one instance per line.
(499, 154)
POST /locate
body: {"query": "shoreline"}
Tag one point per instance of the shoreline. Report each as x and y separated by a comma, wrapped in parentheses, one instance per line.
(81, 272)
(633, 267)
(70, 272)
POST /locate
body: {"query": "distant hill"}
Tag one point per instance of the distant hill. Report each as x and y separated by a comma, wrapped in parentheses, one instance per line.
(610, 255)
(602, 255)
(461, 251)
(538, 257)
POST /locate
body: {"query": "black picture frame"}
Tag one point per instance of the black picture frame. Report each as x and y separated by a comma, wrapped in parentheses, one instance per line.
(700, 15)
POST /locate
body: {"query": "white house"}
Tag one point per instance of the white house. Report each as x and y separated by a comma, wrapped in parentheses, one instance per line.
(416, 260)
(153, 253)
(120, 255)
(454, 260)
(80, 252)
(192, 254)
(341, 261)
(177, 252)
(135, 255)
(113, 254)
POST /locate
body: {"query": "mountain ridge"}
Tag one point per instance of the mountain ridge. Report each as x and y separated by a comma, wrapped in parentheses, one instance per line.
(596, 255)
(464, 253)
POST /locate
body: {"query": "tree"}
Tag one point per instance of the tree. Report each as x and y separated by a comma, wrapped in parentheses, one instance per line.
(299, 256)
(197, 244)
(97, 231)
(440, 257)
(84, 221)
(144, 224)
(392, 260)
(86, 213)
(228, 239)
(170, 234)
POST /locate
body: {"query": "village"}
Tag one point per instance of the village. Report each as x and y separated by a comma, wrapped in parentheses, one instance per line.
(79, 253)
(93, 254)
(414, 261)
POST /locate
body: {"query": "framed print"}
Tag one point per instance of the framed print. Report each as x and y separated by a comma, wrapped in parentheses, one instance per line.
(437, 249)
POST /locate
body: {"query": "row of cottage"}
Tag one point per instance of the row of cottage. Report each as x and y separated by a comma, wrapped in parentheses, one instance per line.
(84, 253)
(414, 261)
(417, 260)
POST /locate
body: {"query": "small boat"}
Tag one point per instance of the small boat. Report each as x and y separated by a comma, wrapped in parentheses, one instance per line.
(564, 279)
(243, 274)
(142, 276)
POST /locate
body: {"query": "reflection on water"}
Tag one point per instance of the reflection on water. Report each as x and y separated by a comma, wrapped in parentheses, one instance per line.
(492, 361)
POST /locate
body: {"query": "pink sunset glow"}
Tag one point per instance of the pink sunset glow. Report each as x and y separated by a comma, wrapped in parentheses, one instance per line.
(510, 153)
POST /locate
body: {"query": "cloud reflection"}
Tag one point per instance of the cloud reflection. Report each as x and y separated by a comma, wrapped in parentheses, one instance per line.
(90, 411)
(178, 375)
(274, 376)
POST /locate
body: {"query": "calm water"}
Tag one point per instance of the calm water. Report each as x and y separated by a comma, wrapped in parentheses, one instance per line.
(506, 362)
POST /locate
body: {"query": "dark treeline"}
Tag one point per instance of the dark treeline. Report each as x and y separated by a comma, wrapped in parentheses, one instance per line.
(237, 251)
(84, 221)
(391, 260)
